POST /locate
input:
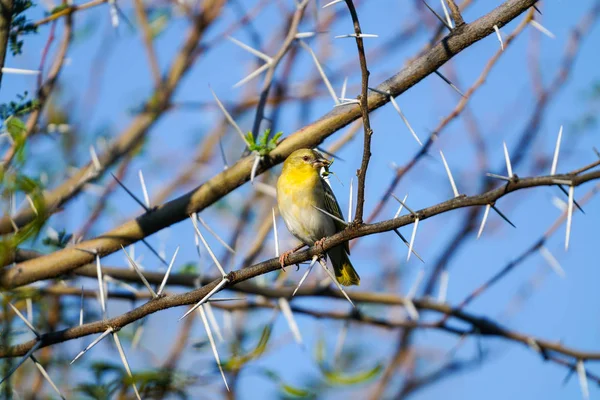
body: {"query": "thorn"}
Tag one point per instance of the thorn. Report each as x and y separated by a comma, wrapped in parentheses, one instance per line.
(552, 261)
(541, 28)
(19, 71)
(556, 150)
(454, 189)
(125, 364)
(252, 75)
(344, 86)
(255, 164)
(212, 255)
(442, 294)
(223, 282)
(213, 321)
(569, 216)
(412, 292)
(446, 14)
(305, 35)
(310, 267)
(265, 189)
(137, 336)
(21, 361)
(438, 16)
(144, 189)
(40, 367)
(501, 177)
(404, 204)
(507, 159)
(161, 258)
(284, 305)
(205, 225)
(332, 277)
(321, 71)
(275, 235)
(404, 119)
(356, 35)
(397, 232)
(503, 216)
(327, 153)
(29, 307)
(332, 3)
(229, 118)
(585, 391)
(81, 308)
(574, 201)
(412, 239)
(401, 206)
(339, 345)
(438, 73)
(483, 220)
(166, 277)
(499, 35)
(95, 159)
(341, 221)
(101, 286)
(22, 317)
(95, 342)
(251, 50)
(32, 205)
(212, 344)
(131, 193)
(133, 264)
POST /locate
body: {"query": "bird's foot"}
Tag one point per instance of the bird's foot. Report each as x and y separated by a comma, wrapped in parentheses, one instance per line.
(283, 258)
(319, 244)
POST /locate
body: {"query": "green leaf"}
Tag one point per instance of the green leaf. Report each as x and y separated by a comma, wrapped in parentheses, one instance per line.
(339, 378)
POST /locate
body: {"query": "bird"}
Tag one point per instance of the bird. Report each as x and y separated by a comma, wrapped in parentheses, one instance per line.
(301, 192)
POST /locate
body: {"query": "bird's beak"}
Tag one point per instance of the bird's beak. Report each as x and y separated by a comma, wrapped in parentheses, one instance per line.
(322, 162)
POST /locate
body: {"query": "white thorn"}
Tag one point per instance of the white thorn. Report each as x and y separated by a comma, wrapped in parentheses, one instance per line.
(411, 309)
(542, 29)
(205, 298)
(304, 35)
(212, 255)
(114, 14)
(552, 261)
(19, 71)
(284, 305)
(125, 364)
(140, 274)
(251, 50)
(344, 86)
(275, 235)
(42, 370)
(29, 308)
(585, 391)
(412, 292)
(205, 225)
(255, 164)
(95, 342)
(484, 219)
(212, 344)
(144, 189)
(401, 206)
(341, 221)
(446, 14)
(321, 71)
(350, 201)
(32, 204)
(356, 35)
(569, 216)
(166, 277)
(454, 189)
(332, 277)
(22, 317)
(81, 308)
(137, 336)
(404, 119)
(100, 286)
(252, 75)
(95, 159)
(443, 293)
(556, 151)
(499, 36)
(339, 345)
(229, 118)
(412, 239)
(213, 321)
(507, 159)
(310, 267)
(265, 189)
(332, 3)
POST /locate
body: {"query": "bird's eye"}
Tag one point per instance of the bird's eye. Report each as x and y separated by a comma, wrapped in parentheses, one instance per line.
(305, 158)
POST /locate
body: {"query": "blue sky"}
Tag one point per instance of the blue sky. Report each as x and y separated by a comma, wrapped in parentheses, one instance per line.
(558, 309)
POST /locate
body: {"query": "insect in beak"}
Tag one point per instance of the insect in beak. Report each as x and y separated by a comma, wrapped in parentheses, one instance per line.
(322, 162)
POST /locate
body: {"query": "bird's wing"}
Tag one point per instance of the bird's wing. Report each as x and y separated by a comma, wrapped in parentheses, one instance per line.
(332, 206)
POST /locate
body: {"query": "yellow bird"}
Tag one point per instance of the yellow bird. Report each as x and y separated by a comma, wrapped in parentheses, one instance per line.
(300, 191)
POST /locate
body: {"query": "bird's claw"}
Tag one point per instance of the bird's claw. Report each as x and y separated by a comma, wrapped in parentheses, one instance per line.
(283, 258)
(319, 243)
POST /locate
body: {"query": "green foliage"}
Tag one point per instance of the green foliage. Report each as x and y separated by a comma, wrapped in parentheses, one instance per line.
(236, 362)
(263, 144)
(20, 26)
(18, 108)
(287, 390)
(60, 242)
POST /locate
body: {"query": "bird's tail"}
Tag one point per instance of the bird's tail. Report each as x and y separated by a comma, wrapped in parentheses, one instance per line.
(344, 271)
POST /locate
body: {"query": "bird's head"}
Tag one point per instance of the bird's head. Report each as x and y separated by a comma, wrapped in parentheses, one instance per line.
(304, 158)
